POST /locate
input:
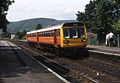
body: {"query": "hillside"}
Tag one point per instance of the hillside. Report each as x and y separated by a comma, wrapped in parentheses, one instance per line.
(30, 24)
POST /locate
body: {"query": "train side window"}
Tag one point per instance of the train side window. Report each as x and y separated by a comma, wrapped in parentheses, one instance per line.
(44, 34)
(48, 33)
(52, 33)
(33, 35)
(40, 34)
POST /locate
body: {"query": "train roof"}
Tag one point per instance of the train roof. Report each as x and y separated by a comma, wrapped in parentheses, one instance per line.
(46, 29)
(54, 27)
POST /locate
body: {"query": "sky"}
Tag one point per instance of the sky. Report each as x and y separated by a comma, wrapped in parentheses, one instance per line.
(55, 9)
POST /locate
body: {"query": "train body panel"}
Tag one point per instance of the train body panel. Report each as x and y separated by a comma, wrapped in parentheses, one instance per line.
(32, 39)
(74, 43)
(48, 40)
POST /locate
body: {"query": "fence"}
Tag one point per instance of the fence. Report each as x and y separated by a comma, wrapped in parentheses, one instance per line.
(93, 40)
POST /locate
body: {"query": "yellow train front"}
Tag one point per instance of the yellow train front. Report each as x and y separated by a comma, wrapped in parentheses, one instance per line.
(73, 35)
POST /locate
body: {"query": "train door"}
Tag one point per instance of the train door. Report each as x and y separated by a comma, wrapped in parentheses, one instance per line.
(37, 37)
(55, 38)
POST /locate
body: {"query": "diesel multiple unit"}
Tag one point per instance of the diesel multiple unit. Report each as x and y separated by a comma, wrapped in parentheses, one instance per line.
(66, 35)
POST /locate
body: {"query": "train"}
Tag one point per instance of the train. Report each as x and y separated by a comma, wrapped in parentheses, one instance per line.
(61, 36)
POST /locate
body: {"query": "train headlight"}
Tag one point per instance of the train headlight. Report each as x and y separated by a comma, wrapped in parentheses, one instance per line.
(66, 41)
(83, 40)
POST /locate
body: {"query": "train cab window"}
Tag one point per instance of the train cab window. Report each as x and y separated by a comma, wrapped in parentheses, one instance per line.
(66, 33)
(73, 32)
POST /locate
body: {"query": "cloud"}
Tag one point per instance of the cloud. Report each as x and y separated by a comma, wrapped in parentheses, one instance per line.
(57, 9)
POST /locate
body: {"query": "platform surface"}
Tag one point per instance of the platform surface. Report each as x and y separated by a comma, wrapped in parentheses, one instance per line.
(104, 49)
(13, 70)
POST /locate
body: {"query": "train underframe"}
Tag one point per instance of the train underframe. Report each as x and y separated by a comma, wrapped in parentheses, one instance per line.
(72, 51)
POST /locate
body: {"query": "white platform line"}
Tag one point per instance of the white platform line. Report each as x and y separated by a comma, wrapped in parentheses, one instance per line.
(104, 52)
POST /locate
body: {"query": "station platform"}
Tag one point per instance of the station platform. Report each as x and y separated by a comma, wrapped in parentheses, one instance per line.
(13, 70)
(104, 50)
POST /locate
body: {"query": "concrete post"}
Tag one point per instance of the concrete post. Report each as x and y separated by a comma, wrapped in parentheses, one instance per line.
(118, 40)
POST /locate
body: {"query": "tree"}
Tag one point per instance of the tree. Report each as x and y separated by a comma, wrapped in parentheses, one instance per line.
(105, 16)
(116, 9)
(4, 6)
(39, 26)
(88, 15)
(116, 26)
(81, 17)
(100, 15)
(20, 35)
(5, 35)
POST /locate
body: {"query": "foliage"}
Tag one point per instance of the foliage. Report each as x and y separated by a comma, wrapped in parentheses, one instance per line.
(39, 26)
(20, 35)
(92, 38)
(5, 35)
(99, 16)
(116, 25)
(4, 6)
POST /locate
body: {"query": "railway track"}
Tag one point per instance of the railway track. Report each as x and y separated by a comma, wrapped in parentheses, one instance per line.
(85, 70)
(105, 67)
